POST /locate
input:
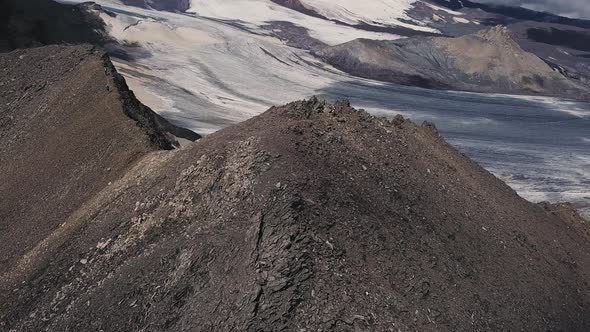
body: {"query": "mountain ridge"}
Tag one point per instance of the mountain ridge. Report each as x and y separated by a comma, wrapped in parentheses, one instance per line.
(309, 216)
(69, 127)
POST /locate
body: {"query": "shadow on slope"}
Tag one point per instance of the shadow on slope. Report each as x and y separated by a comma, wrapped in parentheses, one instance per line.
(33, 23)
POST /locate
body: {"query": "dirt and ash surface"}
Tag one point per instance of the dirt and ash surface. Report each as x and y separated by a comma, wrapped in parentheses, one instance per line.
(309, 217)
(68, 127)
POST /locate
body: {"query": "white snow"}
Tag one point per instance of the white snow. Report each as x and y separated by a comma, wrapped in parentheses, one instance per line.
(205, 74)
(354, 11)
(435, 7)
(153, 32)
(570, 107)
(380, 12)
(461, 20)
(255, 13)
(438, 18)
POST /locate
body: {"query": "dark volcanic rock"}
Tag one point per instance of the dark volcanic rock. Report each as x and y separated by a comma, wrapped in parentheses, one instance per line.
(298, 6)
(308, 217)
(510, 14)
(293, 35)
(171, 5)
(570, 38)
(565, 48)
(42, 22)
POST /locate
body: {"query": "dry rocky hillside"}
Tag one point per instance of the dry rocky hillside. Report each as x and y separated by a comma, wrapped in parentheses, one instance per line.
(308, 217)
(69, 126)
(486, 61)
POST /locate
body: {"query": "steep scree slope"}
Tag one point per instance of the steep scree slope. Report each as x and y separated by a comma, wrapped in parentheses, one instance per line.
(68, 127)
(307, 217)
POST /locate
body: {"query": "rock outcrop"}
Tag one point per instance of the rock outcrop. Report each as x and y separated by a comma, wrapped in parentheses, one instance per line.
(170, 5)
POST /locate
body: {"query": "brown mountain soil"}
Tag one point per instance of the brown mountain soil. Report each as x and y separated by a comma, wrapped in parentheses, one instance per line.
(308, 217)
(69, 126)
(568, 213)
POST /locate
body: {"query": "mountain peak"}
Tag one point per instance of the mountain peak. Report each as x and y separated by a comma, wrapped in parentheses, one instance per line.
(495, 32)
(314, 216)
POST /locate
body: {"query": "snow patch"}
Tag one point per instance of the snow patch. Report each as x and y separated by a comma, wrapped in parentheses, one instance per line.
(570, 107)
(151, 31)
(438, 18)
(380, 12)
(256, 13)
(205, 74)
(461, 20)
(438, 8)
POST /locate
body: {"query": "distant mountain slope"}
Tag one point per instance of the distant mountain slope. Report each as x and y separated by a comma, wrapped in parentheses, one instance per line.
(314, 24)
(42, 22)
(69, 126)
(308, 217)
(488, 61)
(508, 13)
(563, 47)
(534, 31)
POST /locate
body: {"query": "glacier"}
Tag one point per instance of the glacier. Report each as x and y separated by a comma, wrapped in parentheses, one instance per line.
(220, 64)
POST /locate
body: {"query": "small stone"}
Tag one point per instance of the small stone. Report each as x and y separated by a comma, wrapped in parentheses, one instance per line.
(398, 120)
(84, 261)
(330, 244)
(102, 245)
